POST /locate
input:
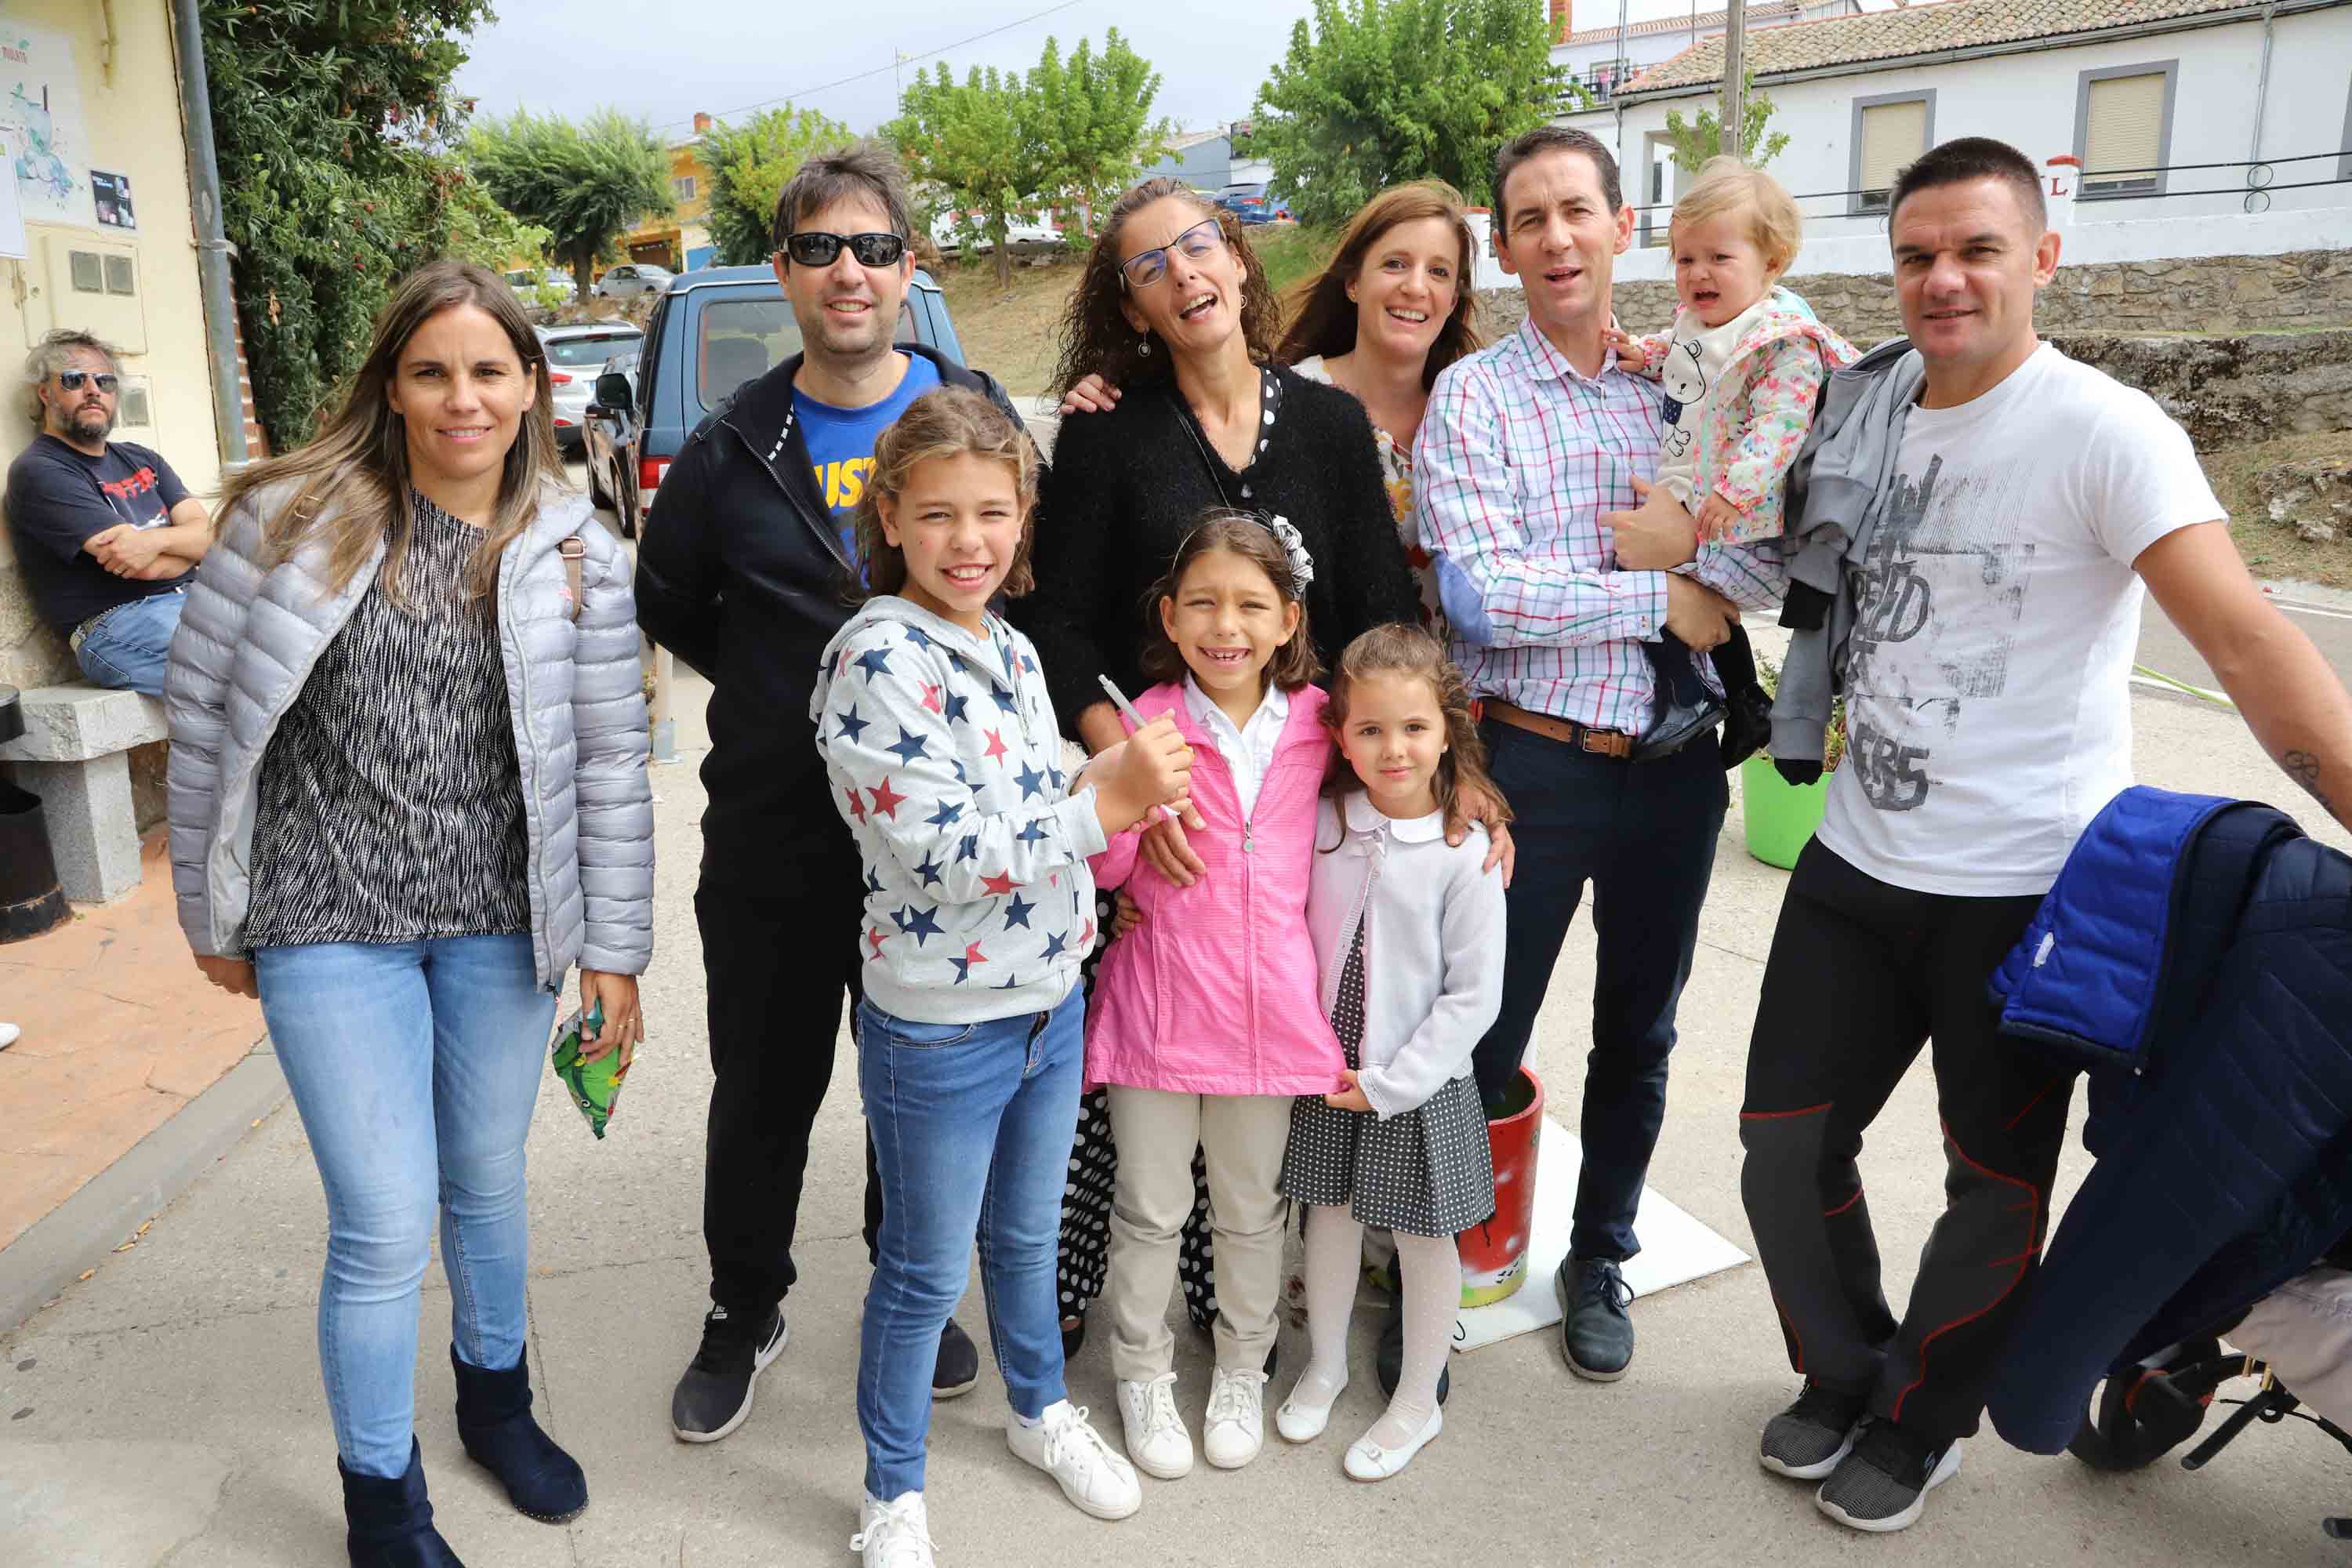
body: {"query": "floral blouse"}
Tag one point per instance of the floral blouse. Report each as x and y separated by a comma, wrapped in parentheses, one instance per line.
(1396, 467)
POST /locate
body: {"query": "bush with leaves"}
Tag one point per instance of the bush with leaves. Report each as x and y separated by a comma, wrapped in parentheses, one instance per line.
(747, 165)
(333, 127)
(586, 184)
(1698, 140)
(1379, 91)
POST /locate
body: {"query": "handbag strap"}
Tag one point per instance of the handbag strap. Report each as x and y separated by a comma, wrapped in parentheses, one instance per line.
(573, 550)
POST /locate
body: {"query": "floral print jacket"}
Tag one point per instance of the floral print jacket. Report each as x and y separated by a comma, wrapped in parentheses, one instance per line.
(1758, 412)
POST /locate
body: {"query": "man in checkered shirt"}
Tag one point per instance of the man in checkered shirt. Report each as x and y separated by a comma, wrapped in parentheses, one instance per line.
(1556, 564)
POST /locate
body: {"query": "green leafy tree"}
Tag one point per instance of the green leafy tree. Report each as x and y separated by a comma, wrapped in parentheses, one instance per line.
(1698, 140)
(1382, 90)
(970, 138)
(1089, 120)
(334, 126)
(747, 165)
(586, 184)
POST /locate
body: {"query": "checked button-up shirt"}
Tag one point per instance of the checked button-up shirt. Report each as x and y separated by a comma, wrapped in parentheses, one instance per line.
(1517, 459)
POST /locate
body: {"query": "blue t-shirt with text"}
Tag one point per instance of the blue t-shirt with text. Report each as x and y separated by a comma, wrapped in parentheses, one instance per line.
(841, 442)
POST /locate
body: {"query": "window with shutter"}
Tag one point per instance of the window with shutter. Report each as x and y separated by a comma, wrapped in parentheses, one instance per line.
(2122, 141)
(1890, 131)
(1893, 135)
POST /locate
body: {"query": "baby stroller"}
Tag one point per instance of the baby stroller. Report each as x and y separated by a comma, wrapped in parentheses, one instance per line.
(2150, 1406)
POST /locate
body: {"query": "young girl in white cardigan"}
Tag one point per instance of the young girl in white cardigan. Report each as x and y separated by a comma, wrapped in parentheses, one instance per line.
(1408, 934)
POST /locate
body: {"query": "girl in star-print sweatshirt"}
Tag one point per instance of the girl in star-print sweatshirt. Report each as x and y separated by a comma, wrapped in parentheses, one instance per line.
(946, 761)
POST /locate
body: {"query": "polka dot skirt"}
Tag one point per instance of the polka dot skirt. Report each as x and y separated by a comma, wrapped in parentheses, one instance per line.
(1428, 1171)
(1086, 1198)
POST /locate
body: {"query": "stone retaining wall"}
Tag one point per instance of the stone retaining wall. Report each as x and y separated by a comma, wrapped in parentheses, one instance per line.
(2302, 291)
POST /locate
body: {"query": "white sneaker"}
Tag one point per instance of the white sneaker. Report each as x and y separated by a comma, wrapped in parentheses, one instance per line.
(1066, 1447)
(1367, 1461)
(894, 1535)
(7, 1035)
(1156, 1438)
(1235, 1428)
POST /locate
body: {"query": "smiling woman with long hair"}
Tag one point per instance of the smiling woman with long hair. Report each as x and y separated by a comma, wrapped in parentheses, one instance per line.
(408, 796)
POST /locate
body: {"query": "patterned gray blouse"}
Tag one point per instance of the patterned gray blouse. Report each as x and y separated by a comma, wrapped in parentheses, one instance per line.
(390, 806)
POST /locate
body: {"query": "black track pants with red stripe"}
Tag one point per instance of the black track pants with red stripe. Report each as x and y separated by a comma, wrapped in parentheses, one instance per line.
(1862, 974)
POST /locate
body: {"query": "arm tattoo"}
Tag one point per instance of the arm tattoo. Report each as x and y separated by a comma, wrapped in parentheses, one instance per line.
(2303, 767)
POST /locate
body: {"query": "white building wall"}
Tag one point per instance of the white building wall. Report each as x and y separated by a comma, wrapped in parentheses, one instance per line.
(2028, 101)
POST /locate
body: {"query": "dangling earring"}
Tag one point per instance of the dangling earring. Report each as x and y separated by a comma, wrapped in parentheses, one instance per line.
(1143, 343)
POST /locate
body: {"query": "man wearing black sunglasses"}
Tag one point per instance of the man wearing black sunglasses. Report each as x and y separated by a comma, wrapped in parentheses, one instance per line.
(108, 535)
(740, 574)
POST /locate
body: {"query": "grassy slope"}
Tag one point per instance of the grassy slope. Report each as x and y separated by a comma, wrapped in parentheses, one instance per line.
(2271, 549)
(1013, 334)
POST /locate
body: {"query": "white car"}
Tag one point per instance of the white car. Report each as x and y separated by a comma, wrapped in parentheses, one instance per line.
(631, 279)
(575, 355)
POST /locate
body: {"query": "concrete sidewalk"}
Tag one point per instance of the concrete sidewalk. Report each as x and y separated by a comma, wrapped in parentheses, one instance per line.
(169, 1408)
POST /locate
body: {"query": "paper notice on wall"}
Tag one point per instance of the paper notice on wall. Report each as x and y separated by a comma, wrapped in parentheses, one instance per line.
(41, 130)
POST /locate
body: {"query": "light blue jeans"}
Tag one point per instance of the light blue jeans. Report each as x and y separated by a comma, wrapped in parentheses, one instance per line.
(414, 1066)
(971, 1131)
(130, 647)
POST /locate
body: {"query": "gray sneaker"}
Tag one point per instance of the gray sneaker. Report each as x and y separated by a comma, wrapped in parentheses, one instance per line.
(1807, 1440)
(1883, 1484)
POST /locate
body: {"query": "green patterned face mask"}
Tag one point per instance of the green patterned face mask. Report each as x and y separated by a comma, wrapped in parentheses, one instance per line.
(596, 1084)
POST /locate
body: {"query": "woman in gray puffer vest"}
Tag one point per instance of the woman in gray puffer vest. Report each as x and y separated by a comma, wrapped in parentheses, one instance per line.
(408, 794)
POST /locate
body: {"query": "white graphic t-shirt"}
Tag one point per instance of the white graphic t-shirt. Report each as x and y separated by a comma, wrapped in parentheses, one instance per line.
(1988, 705)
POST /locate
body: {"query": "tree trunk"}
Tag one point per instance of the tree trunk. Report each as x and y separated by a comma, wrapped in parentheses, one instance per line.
(1004, 256)
(583, 261)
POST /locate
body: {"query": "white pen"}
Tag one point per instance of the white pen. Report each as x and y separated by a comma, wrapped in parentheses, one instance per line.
(1118, 699)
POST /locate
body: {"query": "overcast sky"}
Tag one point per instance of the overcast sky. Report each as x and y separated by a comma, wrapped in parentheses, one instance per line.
(662, 61)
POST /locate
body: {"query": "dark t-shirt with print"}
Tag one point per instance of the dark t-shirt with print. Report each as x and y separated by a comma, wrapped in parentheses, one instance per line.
(59, 498)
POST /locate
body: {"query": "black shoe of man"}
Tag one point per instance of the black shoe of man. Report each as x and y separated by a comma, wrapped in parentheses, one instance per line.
(715, 1395)
(958, 1367)
(1596, 1335)
(1388, 1360)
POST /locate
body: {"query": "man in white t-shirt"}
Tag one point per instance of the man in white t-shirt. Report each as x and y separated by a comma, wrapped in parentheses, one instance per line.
(1989, 717)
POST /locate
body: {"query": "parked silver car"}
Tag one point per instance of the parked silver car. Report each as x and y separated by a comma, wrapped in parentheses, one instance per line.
(574, 356)
(631, 279)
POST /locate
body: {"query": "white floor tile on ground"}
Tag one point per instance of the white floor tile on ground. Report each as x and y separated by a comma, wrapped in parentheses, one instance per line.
(1675, 1248)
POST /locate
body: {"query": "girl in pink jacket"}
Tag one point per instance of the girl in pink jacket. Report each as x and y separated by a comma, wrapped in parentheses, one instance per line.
(1206, 1019)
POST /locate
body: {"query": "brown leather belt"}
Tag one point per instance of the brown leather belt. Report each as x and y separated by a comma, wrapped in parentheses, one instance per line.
(1611, 743)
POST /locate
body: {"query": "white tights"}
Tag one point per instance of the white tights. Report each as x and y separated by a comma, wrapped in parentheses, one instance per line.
(1428, 1271)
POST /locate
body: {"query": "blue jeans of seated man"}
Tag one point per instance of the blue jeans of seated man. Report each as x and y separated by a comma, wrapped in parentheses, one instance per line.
(414, 1066)
(1643, 835)
(970, 1125)
(129, 647)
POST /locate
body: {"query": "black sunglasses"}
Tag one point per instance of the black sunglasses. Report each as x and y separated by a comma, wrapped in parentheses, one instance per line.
(71, 380)
(814, 247)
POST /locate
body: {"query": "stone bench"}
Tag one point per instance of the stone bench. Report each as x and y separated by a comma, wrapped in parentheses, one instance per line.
(75, 753)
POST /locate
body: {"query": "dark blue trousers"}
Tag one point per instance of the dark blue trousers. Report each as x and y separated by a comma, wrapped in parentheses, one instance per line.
(1643, 836)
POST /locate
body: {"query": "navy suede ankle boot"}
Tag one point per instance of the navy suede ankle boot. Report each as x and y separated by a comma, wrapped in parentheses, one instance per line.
(494, 1422)
(391, 1523)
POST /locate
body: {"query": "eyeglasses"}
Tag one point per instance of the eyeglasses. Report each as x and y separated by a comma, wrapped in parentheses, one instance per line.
(814, 247)
(1198, 243)
(71, 380)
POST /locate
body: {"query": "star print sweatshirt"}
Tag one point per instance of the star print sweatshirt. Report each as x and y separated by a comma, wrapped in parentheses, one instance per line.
(945, 760)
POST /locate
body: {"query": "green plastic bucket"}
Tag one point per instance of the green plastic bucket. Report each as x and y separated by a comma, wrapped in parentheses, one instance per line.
(1780, 815)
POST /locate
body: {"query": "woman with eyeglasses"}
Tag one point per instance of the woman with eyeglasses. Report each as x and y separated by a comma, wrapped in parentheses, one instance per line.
(1174, 308)
(408, 797)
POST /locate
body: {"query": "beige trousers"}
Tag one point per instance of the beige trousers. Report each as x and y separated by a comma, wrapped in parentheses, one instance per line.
(2303, 1329)
(1244, 1137)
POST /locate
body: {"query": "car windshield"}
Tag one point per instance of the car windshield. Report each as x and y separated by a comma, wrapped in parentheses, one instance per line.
(595, 348)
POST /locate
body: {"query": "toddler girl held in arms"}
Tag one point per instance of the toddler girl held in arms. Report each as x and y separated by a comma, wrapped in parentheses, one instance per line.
(1408, 935)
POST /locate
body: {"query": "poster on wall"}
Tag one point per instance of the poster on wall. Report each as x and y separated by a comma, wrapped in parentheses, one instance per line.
(111, 193)
(41, 130)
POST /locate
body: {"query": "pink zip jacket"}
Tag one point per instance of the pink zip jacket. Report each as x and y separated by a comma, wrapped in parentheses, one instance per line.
(1215, 992)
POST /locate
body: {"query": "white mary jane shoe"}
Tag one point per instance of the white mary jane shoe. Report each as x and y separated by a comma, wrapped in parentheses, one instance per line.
(1366, 1461)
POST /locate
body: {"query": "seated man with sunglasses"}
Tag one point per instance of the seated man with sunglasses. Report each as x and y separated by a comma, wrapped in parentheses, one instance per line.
(108, 535)
(741, 575)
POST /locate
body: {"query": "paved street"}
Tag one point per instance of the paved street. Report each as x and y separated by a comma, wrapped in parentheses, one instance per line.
(168, 1410)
